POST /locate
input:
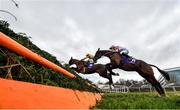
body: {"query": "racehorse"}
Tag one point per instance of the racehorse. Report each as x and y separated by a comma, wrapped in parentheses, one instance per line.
(131, 64)
(96, 68)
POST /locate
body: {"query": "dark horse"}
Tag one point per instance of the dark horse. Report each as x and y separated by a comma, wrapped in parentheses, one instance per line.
(144, 69)
(96, 68)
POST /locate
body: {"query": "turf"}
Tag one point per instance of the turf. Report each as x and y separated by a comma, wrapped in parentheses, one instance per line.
(139, 101)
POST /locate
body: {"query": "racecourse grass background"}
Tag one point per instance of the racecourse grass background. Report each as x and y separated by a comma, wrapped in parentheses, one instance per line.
(139, 101)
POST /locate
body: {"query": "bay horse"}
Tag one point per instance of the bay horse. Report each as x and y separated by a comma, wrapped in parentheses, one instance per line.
(96, 68)
(144, 69)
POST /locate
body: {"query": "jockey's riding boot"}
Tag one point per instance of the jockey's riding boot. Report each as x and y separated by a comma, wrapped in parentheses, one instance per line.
(126, 55)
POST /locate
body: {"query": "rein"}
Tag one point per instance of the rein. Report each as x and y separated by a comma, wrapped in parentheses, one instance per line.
(108, 53)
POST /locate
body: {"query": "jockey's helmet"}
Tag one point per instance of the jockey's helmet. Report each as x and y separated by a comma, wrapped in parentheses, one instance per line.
(88, 55)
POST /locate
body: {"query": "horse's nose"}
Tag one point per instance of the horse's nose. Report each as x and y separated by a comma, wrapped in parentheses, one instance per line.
(95, 61)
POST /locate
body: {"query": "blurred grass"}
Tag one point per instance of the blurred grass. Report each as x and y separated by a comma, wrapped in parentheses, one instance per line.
(139, 101)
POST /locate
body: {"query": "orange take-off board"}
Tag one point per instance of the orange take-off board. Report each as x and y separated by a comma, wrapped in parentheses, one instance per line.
(23, 95)
(12, 45)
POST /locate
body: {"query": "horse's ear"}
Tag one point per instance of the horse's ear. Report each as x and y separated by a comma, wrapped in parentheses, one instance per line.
(98, 49)
(71, 58)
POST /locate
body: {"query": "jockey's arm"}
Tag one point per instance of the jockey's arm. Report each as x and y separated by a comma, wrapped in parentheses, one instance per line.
(83, 59)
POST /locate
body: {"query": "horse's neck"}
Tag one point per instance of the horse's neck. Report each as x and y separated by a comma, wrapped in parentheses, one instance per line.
(106, 53)
(80, 63)
(113, 56)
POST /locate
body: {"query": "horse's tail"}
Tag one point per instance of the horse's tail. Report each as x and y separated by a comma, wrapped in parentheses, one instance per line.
(164, 73)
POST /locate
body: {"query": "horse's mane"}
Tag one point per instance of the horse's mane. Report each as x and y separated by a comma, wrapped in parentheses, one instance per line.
(106, 51)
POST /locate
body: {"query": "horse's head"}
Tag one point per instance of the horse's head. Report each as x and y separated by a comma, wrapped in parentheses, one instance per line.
(72, 61)
(97, 55)
(76, 64)
(75, 61)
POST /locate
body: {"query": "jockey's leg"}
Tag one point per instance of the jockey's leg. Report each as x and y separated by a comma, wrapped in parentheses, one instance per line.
(125, 55)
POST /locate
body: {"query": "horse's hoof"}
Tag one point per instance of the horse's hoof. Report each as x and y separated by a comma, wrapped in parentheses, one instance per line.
(116, 74)
(163, 95)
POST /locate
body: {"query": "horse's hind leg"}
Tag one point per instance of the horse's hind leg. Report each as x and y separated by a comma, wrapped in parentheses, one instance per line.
(147, 72)
(161, 89)
(156, 84)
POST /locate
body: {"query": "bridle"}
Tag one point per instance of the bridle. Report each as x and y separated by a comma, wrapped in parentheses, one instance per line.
(107, 53)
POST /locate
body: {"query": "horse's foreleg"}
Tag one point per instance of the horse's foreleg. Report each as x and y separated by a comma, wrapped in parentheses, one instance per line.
(113, 73)
(109, 77)
(110, 81)
(110, 67)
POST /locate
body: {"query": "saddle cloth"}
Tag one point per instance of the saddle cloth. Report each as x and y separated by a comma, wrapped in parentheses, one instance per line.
(90, 65)
(128, 60)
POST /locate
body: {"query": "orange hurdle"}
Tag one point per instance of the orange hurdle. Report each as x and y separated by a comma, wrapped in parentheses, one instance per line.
(12, 45)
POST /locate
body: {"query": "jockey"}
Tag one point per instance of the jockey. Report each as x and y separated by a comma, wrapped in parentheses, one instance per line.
(89, 58)
(121, 50)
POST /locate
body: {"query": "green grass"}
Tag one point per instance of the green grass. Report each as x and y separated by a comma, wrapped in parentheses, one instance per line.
(139, 101)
